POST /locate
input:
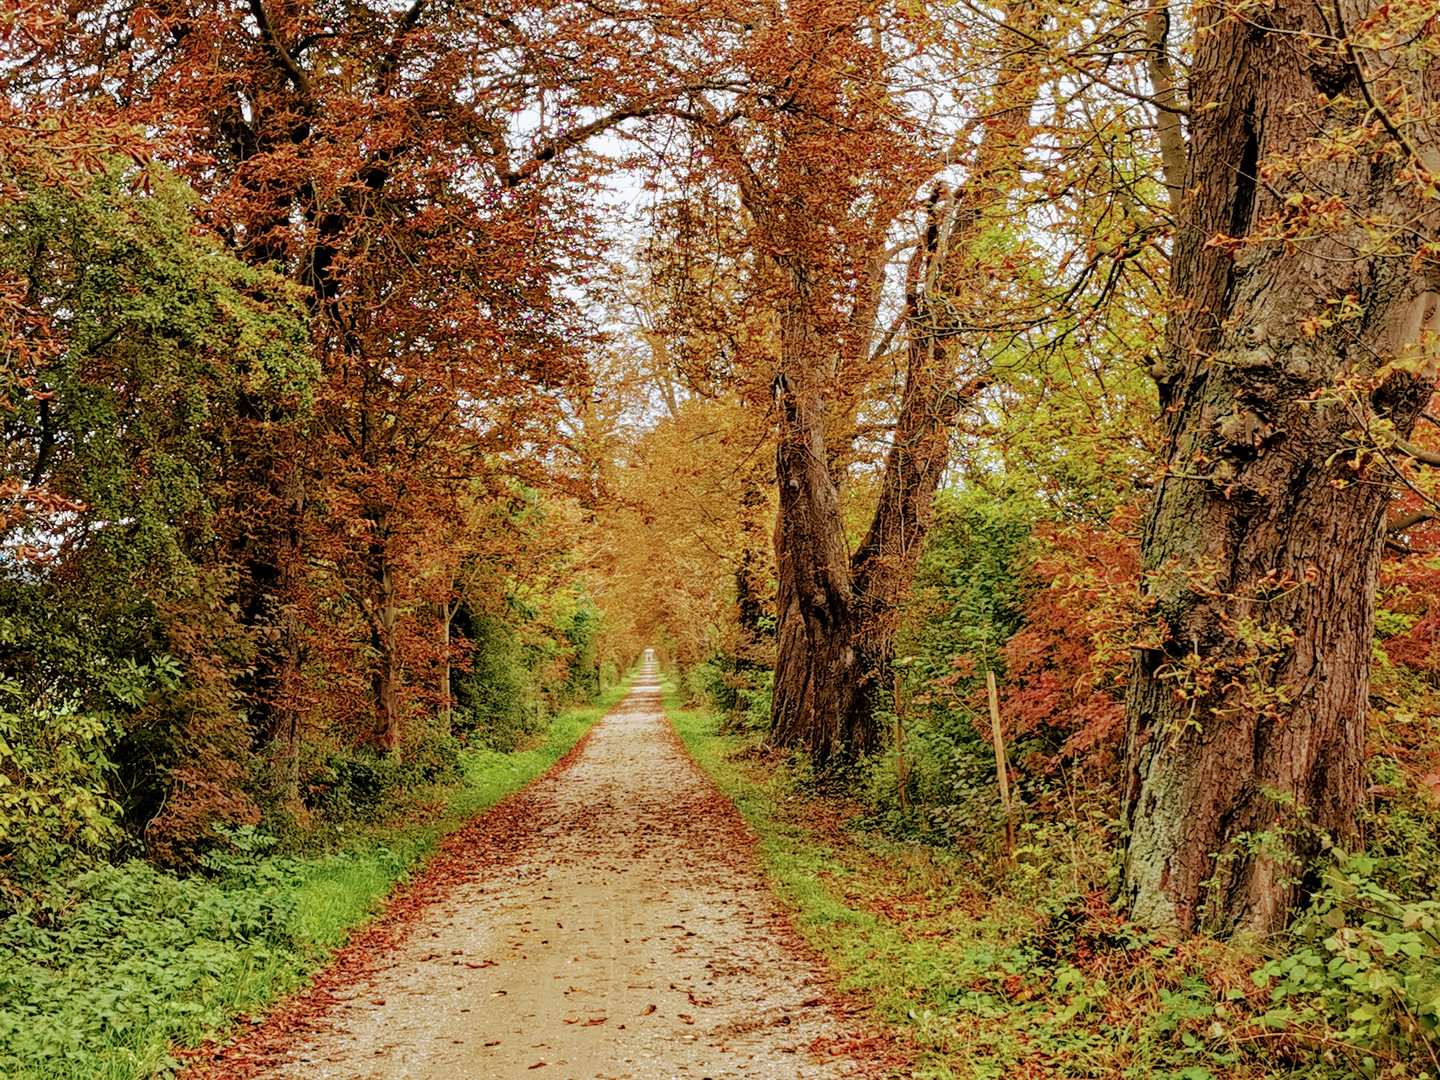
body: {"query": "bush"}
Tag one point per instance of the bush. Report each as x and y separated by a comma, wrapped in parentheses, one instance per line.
(433, 759)
(1366, 974)
(137, 950)
(950, 788)
(498, 698)
(735, 689)
(582, 670)
(353, 784)
(55, 815)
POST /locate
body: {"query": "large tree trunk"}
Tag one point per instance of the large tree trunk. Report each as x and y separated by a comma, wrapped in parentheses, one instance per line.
(1248, 695)
(821, 696)
(837, 612)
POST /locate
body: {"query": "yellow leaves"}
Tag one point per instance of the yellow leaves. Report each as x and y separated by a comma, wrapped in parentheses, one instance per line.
(1345, 309)
(688, 528)
(1229, 244)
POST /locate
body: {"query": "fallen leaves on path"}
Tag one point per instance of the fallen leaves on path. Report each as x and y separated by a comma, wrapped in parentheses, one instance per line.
(500, 835)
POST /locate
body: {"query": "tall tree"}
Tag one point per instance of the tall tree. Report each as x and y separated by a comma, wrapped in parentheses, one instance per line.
(367, 151)
(828, 160)
(1300, 349)
(134, 424)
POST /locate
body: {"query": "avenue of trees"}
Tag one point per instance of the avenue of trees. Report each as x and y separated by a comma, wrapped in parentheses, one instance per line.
(349, 418)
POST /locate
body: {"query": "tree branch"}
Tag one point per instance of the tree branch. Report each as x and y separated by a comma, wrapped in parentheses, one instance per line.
(1400, 522)
(277, 51)
(1173, 152)
(570, 139)
(1410, 450)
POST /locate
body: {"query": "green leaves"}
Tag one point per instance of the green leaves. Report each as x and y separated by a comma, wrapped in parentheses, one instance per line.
(160, 334)
(136, 951)
(54, 808)
(1369, 975)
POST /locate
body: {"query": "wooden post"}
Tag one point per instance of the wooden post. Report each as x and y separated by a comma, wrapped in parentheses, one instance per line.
(1002, 764)
(902, 770)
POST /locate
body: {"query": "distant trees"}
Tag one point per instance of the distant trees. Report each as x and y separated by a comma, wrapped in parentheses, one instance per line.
(810, 148)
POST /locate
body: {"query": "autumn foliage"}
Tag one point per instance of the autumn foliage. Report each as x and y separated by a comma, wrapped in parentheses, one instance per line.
(376, 378)
(1065, 669)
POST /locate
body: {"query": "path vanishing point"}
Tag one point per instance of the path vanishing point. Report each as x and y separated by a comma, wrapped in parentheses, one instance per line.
(619, 929)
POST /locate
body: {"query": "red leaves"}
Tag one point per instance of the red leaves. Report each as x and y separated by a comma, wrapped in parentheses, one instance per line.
(1065, 671)
(1431, 782)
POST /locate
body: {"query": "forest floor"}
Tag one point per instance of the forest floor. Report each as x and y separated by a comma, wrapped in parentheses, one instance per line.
(608, 921)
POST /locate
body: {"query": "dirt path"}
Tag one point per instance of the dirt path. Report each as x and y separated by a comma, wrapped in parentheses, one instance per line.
(621, 931)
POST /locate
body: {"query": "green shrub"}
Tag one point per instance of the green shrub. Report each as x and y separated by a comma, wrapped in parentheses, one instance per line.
(735, 689)
(55, 815)
(499, 696)
(753, 705)
(353, 784)
(582, 669)
(135, 951)
(1366, 972)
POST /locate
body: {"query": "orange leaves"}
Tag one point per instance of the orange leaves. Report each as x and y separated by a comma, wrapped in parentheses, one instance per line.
(1065, 670)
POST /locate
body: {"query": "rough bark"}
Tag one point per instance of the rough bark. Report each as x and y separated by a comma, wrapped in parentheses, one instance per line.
(821, 695)
(837, 612)
(1248, 694)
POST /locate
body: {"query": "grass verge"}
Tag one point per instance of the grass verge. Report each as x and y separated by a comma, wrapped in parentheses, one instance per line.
(140, 962)
(996, 970)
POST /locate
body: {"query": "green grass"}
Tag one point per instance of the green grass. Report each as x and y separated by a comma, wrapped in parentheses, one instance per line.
(139, 962)
(989, 969)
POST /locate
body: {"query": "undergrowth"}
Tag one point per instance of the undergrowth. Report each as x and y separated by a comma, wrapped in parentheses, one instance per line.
(136, 961)
(995, 967)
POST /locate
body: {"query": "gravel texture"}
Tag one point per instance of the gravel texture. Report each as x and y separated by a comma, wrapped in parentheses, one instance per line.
(609, 921)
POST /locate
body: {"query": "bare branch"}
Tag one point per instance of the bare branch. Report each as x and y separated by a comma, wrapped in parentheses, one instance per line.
(571, 139)
(1400, 522)
(1410, 450)
(1173, 152)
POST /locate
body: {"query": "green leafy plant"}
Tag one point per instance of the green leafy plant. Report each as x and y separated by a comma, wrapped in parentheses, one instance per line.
(55, 813)
(1366, 973)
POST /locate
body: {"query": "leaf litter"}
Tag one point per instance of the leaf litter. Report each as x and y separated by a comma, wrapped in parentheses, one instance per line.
(626, 840)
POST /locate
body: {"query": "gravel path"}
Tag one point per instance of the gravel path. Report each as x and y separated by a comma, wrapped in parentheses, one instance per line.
(620, 930)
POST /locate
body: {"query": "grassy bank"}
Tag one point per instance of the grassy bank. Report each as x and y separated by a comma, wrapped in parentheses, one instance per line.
(137, 961)
(994, 969)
